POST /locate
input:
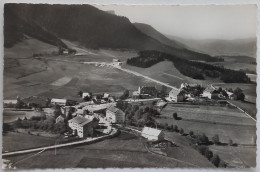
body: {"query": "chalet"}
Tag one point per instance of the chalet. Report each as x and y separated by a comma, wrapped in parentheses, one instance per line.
(59, 119)
(115, 115)
(116, 62)
(176, 95)
(61, 102)
(85, 95)
(84, 127)
(208, 92)
(152, 134)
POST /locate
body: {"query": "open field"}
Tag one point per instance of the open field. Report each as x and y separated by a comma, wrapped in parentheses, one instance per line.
(236, 157)
(54, 82)
(211, 120)
(125, 150)
(17, 141)
(10, 116)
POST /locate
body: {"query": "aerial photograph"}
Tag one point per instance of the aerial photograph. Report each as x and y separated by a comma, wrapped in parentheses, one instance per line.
(129, 86)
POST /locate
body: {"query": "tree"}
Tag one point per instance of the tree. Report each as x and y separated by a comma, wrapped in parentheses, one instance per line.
(215, 139)
(70, 113)
(125, 95)
(80, 93)
(215, 160)
(174, 115)
(175, 128)
(181, 131)
(222, 164)
(166, 126)
(191, 133)
(208, 154)
(230, 142)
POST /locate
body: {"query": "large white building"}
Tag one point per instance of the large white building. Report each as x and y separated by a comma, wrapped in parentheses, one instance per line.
(152, 134)
(84, 127)
(61, 102)
(115, 115)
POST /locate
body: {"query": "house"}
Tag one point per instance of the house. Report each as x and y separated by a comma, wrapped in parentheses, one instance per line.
(176, 95)
(82, 126)
(7, 102)
(152, 134)
(85, 95)
(59, 119)
(116, 62)
(145, 92)
(208, 92)
(61, 102)
(115, 115)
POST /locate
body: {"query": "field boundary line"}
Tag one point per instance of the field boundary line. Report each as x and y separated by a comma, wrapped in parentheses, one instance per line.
(242, 110)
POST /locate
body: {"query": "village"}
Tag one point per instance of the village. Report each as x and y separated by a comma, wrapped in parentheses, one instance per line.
(98, 113)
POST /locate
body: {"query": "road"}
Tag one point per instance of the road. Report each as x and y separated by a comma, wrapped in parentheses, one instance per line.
(89, 140)
(122, 69)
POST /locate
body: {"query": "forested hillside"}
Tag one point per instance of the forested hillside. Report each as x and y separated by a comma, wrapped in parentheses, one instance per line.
(85, 24)
(195, 70)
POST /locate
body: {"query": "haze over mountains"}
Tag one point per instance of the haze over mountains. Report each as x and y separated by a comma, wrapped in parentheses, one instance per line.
(85, 24)
(215, 47)
(94, 28)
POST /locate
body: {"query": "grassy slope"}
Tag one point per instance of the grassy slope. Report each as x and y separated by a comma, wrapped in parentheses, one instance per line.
(42, 72)
(163, 71)
(18, 141)
(123, 151)
(242, 132)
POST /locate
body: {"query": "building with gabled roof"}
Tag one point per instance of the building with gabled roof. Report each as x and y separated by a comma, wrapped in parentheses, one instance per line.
(60, 119)
(176, 95)
(61, 102)
(152, 134)
(82, 126)
(115, 115)
(208, 91)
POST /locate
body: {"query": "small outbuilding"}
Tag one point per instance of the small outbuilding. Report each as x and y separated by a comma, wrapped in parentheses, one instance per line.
(152, 134)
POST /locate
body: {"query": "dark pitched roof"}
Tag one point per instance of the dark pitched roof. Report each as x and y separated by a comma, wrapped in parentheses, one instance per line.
(114, 109)
(80, 120)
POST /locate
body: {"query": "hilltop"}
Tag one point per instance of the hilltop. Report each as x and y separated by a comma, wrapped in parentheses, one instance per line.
(89, 26)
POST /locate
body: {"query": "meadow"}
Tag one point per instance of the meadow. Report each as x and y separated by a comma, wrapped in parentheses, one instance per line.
(126, 150)
(211, 120)
(10, 116)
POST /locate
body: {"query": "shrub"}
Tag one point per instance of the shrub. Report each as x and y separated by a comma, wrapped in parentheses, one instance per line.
(175, 128)
(222, 164)
(230, 142)
(181, 131)
(208, 154)
(215, 139)
(191, 133)
(215, 160)
(174, 115)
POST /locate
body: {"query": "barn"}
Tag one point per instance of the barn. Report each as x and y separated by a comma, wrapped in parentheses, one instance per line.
(152, 134)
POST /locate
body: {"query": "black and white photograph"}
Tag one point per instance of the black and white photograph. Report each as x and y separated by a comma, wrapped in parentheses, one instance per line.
(129, 86)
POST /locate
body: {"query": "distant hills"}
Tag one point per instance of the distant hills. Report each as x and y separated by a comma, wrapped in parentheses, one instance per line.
(150, 31)
(87, 25)
(215, 47)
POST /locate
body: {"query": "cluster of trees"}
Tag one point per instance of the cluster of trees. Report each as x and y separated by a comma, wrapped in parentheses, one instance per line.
(42, 123)
(138, 116)
(125, 95)
(193, 69)
(214, 159)
(239, 94)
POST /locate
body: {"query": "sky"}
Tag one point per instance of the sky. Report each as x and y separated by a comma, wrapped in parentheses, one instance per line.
(194, 22)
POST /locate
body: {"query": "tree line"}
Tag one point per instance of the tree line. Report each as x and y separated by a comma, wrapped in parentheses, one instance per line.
(193, 69)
